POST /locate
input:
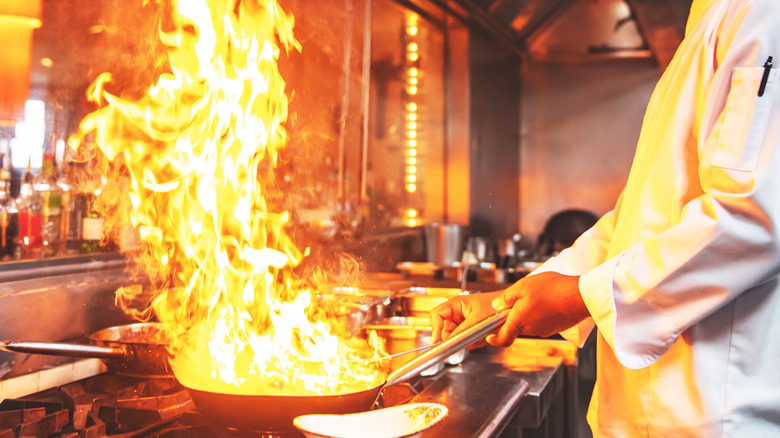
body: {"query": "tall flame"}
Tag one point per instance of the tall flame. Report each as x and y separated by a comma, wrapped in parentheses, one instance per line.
(199, 151)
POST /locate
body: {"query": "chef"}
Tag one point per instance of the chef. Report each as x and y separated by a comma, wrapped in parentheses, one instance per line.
(682, 278)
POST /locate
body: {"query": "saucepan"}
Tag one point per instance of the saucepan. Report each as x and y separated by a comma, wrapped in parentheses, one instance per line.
(135, 350)
(275, 413)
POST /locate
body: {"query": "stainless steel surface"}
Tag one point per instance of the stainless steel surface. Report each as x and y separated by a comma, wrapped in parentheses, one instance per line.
(56, 302)
(444, 243)
(497, 392)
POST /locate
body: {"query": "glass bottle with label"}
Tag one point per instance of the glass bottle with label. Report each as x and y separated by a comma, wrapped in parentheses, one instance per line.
(91, 226)
(51, 195)
(72, 211)
(30, 211)
(9, 220)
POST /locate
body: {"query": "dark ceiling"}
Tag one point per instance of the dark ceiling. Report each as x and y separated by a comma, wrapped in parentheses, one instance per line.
(661, 22)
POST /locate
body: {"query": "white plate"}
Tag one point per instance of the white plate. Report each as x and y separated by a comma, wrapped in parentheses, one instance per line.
(394, 422)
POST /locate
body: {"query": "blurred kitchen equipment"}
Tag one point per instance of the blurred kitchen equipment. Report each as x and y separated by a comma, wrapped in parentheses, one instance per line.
(444, 243)
(135, 350)
(407, 334)
(484, 248)
(276, 412)
(561, 230)
(396, 422)
(507, 252)
(418, 301)
(355, 307)
(468, 259)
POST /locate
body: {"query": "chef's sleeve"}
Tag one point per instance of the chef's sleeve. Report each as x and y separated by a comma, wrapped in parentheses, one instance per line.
(588, 251)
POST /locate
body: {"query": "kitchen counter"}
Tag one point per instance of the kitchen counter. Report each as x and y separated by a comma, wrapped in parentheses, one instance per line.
(500, 392)
(495, 392)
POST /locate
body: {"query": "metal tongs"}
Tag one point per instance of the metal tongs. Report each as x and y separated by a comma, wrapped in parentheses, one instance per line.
(390, 356)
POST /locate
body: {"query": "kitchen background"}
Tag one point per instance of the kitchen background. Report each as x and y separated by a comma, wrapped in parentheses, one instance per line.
(523, 108)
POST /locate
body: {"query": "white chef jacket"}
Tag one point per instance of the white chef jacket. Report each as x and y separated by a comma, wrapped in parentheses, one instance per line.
(681, 278)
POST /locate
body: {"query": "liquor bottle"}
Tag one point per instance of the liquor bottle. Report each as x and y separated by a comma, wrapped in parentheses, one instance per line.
(29, 206)
(9, 220)
(51, 195)
(72, 211)
(91, 226)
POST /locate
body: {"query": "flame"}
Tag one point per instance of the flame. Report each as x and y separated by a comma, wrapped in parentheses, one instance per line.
(197, 156)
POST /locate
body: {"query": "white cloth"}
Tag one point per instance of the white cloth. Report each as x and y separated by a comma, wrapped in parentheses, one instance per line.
(681, 278)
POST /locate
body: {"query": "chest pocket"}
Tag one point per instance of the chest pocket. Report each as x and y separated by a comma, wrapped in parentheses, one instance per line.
(745, 119)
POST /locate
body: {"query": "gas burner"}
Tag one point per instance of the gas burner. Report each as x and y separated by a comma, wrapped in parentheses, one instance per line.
(193, 425)
(102, 406)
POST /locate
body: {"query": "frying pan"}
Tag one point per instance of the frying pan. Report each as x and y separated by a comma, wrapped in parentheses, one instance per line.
(275, 413)
(134, 350)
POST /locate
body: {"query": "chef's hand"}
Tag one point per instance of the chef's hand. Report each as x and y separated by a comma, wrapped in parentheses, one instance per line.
(542, 305)
(460, 313)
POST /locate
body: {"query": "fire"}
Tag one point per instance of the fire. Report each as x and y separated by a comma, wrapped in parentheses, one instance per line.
(191, 165)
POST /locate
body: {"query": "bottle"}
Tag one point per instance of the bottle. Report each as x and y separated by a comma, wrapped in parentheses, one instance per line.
(29, 206)
(72, 211)
(9, 220)
(91, 226)
(51, 195)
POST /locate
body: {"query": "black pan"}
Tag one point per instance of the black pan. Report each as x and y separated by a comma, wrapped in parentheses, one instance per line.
(272, 413)
(134, 350)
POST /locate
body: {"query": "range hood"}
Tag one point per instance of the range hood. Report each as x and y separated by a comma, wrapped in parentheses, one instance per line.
(650, 28)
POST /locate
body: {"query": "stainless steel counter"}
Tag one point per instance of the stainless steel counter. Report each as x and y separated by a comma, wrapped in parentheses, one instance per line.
(493, 389)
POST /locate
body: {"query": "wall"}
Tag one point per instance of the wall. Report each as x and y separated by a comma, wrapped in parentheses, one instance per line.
(579, 126)
(494, 137)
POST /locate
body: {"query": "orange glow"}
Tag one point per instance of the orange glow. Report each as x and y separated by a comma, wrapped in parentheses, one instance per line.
(18, 18)
(200, 151)
(411, 188)
(412, 152)
(412, 30)
(413, 72)
(411, 212)
(412, 107)
(413, 56)
(412, 47)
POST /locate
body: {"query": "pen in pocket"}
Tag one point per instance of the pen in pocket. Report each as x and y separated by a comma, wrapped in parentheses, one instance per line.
(765, 78)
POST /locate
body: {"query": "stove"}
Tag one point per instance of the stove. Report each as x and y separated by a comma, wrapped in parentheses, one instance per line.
(112, 406)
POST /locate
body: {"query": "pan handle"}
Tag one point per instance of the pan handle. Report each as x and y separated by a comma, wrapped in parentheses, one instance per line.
(63, 349)
(444, 349)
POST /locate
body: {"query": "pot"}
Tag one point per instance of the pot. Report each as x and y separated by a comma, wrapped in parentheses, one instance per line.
(134, 350)
(275, 413)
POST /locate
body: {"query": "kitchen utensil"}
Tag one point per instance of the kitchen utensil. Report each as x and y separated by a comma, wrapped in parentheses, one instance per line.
(270, 413)
(390, 356)
(444, 243)
(135, 350)
(395, 422)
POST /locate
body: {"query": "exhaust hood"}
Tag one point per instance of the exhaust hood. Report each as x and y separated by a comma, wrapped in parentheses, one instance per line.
(549, 29)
